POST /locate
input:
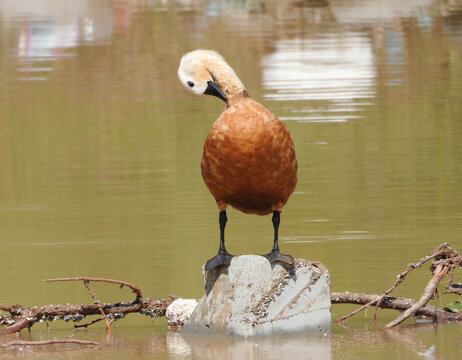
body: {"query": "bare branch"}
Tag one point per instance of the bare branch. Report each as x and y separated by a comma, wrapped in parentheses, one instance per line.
(454, 289)
(442, 249)
(20, 324)
(134, 288)
(146, 306)
(97, 303)
(393, 303)
(89, 323)
(49, 342)
(430, 290)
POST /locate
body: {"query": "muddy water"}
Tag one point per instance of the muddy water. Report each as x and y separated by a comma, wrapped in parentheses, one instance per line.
(100, 149)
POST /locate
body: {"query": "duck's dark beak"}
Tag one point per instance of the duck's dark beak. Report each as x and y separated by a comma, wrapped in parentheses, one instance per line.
(214, 89)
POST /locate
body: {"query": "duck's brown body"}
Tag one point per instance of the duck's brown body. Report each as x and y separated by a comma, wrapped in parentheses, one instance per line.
(249, 159)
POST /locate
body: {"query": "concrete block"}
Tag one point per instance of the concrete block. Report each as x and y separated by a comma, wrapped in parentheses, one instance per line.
(251, 297)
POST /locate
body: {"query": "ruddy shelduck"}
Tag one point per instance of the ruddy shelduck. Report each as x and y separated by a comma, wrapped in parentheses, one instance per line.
(249, 158)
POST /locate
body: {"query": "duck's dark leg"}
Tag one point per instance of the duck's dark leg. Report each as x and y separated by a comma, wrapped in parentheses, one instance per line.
(274, 255)
(223, 257)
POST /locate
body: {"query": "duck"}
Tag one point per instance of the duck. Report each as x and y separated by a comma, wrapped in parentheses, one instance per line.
(248, 158)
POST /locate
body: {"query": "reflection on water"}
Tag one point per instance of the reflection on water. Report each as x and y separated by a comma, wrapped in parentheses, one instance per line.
(99, 162)
(409, 342)
(44, 31)
(453, 22)
(332, 68)
(234, 349)
(335, 70)
(367, 12)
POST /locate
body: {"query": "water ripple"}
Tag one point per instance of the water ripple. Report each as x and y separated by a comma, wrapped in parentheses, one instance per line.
(337, 71)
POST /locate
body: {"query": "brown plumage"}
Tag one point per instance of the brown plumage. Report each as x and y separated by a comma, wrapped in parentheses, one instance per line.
(249, 158)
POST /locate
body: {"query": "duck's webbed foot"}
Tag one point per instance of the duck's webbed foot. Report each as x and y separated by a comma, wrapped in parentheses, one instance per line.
(275, 256)
(223, 258)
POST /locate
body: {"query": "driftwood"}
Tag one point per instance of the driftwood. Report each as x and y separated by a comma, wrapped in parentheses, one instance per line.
(26, 317)
(49, 342)
(445, 260)
(393, 303)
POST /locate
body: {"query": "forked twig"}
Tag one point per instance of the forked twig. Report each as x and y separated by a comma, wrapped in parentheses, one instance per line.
(134, 288)
(97, 303)
(400, 278)
(430, 290)
(446, 260)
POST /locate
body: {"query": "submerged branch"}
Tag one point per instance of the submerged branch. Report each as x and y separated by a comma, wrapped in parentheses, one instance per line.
(18, 326)
(49, 342)
(393, 303)
(89, 323)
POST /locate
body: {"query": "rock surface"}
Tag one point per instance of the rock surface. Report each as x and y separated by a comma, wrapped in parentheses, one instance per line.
(251, 297)
(179, 311)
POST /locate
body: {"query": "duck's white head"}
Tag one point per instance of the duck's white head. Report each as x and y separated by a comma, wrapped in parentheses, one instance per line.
(206, 72)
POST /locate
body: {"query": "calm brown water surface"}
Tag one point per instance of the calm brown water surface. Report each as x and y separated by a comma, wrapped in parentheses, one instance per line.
(100, 147)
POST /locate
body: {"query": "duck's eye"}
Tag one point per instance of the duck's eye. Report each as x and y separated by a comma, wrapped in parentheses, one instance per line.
(191, 84)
